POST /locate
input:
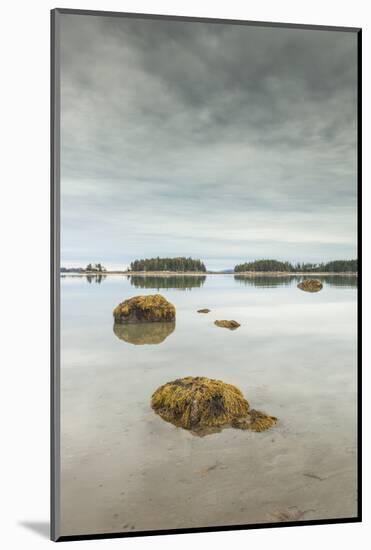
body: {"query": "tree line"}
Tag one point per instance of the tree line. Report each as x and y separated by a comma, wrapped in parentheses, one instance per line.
(337, 266)
(94, 268)
(182, 264)
(264, 265)
(168, 264)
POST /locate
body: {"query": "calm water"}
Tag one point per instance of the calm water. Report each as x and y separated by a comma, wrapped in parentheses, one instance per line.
(294, 356)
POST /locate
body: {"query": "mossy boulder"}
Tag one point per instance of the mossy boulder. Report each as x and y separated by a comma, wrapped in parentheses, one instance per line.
(203, 406)
(310, 285)
(232, 325)
(153, 308)
(205, 310)
(143, 333)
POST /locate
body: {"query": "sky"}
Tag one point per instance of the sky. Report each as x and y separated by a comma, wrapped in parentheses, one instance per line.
(226, 143)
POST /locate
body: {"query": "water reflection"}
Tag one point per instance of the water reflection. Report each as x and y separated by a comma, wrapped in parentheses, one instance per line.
(143, 333)
(97, 278)
(268, 281)
(179, 282)
(345, 281)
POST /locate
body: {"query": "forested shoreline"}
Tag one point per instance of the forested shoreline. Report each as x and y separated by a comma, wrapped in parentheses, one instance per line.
(179, 264)
(337, 266)
(182, 264)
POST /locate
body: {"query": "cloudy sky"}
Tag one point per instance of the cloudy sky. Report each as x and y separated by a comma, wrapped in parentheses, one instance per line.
(221, 142)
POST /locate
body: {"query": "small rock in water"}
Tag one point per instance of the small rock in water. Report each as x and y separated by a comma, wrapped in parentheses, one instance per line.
(232, 325)
(205, 310)
(310, 285)
(255, 421)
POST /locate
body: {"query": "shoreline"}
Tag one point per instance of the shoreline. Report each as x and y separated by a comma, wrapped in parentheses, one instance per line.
(296, 273)
(204, 274)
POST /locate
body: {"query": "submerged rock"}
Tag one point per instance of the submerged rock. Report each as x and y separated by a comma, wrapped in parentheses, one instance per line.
(232, 325)
(205, 310)
(143, 333)
(203, 406)
(310, 285)
(142, 309)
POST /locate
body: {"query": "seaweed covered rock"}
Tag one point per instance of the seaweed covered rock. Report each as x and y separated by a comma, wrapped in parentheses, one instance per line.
(142, 309)
(232, 325)
(203, 406)
(310, 285)
(143, 333)
(255, 421)
(205, 310)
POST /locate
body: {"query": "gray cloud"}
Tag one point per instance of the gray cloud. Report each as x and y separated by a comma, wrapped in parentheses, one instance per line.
(217, 141)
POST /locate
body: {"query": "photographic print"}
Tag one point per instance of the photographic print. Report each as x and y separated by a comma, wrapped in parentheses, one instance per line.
(205, 193)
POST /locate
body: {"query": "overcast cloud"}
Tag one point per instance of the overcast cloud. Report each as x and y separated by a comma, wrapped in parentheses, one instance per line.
(221, 142)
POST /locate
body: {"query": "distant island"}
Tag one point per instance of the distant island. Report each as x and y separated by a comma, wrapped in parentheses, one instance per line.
(272, 266)
(182, 265)
(90, 268)
(176, 265)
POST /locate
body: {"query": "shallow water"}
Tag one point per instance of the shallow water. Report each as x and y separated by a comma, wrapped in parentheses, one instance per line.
(294, 357)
